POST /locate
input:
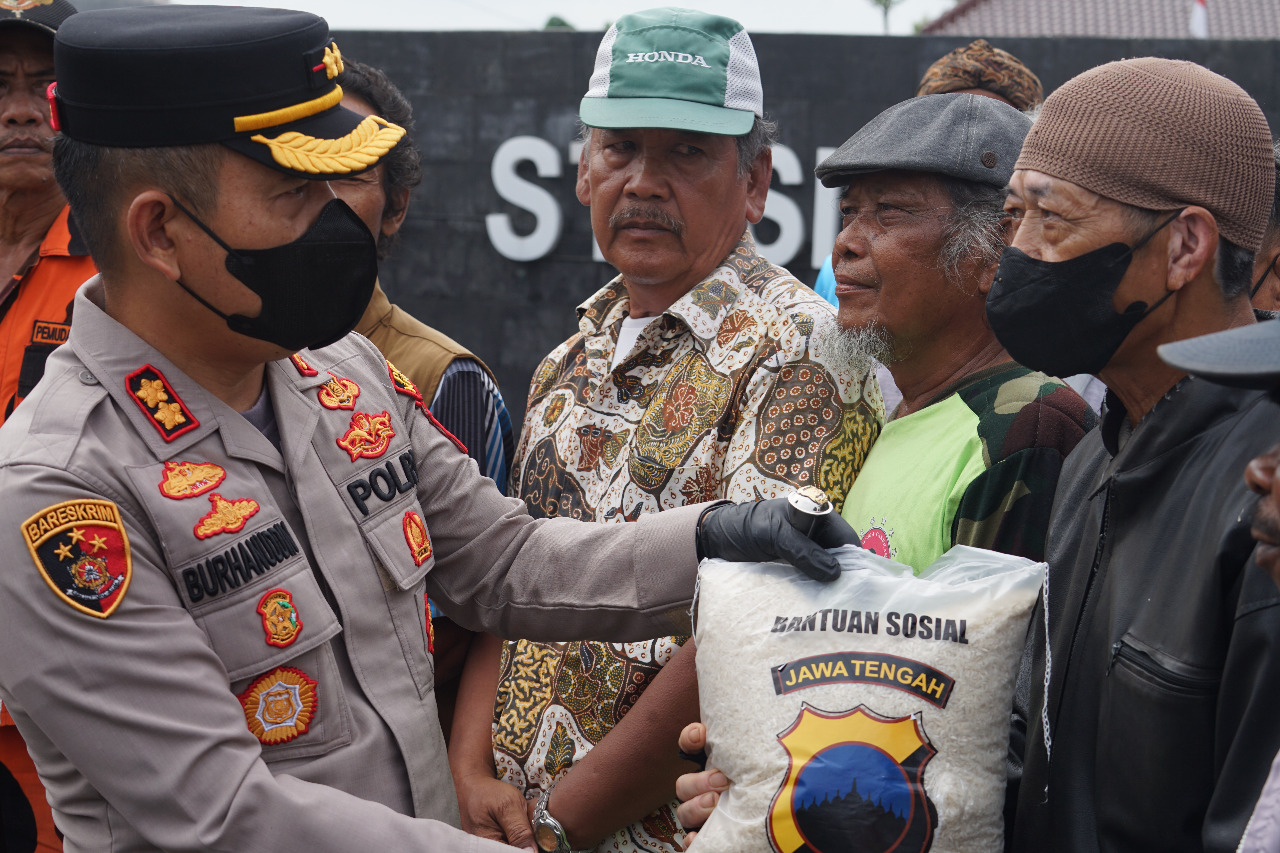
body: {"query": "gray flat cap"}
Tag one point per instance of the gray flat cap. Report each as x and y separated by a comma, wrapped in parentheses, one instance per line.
(1244, 357)
(970, 137)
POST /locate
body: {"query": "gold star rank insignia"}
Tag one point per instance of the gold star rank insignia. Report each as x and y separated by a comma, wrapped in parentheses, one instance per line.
(157, 399)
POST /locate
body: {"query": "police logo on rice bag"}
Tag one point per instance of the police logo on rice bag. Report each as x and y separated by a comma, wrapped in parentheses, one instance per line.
(866, 715)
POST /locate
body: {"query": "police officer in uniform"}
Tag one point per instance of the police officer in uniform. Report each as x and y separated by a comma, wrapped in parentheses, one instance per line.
(224, 514)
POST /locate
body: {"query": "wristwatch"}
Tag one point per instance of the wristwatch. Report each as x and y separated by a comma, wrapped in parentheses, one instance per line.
(548, 834)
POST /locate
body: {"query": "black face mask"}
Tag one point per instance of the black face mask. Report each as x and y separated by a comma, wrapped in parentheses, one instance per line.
(314, 289)
(1056, 317)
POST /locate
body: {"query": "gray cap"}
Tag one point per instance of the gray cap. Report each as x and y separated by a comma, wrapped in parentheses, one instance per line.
(1244, 357)
(970, 137)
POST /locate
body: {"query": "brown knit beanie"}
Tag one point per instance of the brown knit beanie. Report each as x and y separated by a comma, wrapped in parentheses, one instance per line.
(1160, 134)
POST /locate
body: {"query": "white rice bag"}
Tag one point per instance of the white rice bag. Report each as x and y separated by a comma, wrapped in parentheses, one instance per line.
(865, 715)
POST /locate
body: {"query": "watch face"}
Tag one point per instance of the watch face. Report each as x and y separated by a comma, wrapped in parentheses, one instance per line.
(545, 837)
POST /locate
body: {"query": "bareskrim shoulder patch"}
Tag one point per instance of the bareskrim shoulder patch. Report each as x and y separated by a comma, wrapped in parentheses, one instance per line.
(157, 399)
(280, 705)
(82, 552)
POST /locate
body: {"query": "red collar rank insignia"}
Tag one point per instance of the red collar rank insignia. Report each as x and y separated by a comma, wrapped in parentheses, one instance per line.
(403, 384)
(279, 618)
(226, 516)
(156, 397)
(339, 393)
(415, 534)
(855, 783)
(190, 479)
(82, 552)
(368, 436)
(303, 367)
(280, 705)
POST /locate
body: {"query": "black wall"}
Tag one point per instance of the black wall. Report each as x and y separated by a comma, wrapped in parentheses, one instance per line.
(473, 91)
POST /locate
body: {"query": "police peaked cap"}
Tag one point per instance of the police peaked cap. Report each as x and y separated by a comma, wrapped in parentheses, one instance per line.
(43, 15)
(260, 81)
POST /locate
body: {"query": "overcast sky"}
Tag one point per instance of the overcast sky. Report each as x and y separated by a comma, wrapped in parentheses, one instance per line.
(779, 16)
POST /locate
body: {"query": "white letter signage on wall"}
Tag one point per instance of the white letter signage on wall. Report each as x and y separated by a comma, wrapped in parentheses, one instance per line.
(548, 218)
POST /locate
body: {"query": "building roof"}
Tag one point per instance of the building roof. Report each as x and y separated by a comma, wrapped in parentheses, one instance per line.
(1228, 19)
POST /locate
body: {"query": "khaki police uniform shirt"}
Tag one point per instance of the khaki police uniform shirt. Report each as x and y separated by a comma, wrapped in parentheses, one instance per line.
(212, 644)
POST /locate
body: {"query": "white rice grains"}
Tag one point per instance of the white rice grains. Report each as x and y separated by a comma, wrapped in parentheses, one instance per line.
(865, 715)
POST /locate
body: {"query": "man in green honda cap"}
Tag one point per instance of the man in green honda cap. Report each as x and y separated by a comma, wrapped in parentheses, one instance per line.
(699, 372)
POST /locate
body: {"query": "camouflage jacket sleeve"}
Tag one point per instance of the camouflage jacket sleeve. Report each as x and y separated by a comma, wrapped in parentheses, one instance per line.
(1006, 507)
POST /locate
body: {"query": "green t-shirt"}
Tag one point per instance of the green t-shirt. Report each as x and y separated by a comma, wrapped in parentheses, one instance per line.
(977, 466)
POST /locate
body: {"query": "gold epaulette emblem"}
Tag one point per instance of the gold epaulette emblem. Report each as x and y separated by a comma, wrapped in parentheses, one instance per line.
(82, 552)
(302, 365)
(339, 393)
(156, 397)
(403, 383)
(190, 479)
(226, 516)
(368, 436)
(280, 618)
(415, 534)
(280, 705)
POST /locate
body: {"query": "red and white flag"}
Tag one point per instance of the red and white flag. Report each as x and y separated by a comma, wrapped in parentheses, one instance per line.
(1199, 23)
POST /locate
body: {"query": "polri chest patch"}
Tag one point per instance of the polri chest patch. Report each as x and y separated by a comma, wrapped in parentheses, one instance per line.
(280, 705)
(280, 619)
(339, 393)
(190, 479)
(82, 552)
(225, 516)
(368, 436)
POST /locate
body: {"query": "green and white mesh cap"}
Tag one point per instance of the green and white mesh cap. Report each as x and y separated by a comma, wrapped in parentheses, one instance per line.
(675, 68)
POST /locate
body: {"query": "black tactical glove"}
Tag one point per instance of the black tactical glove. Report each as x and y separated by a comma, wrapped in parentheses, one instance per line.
(761, 531)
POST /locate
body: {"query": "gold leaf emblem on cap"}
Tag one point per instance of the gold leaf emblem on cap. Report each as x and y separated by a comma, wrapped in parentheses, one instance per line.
(333, 61)
(358, 150)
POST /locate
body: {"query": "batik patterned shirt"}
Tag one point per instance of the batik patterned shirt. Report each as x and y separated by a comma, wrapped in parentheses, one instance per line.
(725, 395)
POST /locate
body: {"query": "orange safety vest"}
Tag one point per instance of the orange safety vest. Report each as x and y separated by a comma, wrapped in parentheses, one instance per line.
(36, 316)
(34, 319)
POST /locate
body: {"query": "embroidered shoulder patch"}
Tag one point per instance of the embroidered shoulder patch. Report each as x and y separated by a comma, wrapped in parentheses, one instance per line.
(403, 384)
(280, 705)
(368, 436)
(82, 552)
(226, 516)
(303, 367)
(339, 393)
(156, 397)
(190, 479)
(415, 533)
(280, 618)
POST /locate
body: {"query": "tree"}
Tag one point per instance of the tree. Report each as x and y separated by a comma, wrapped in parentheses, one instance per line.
(885, 6)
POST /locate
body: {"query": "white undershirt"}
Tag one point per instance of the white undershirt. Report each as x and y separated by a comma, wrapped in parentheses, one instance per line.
(627, 337)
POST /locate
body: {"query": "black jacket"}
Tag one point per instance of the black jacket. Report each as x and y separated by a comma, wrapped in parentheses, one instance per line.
(1165, 691)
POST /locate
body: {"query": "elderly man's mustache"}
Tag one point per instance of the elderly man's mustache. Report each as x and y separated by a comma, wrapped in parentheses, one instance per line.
(26, 140)
(1262, 521)
(644, 215)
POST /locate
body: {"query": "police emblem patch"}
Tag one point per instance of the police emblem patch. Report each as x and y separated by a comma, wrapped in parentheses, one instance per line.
(303, 367)
(280, 705)
(23, 5)
(190, 479)
(339, 393)
(415, 533)
(226, 516)
(156, 397)
(279, 618)
(855, 784)
(82, 552)
(368, 436)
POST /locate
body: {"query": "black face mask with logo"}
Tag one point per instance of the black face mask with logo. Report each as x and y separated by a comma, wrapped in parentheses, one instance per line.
(1057, 316)
(314, 289)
